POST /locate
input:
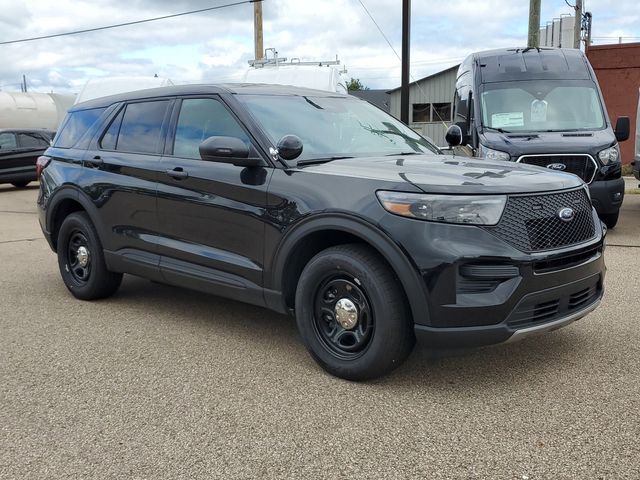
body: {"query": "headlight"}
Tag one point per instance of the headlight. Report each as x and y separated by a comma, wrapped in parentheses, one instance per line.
(609, 155)
(491, 154)
(466, 209)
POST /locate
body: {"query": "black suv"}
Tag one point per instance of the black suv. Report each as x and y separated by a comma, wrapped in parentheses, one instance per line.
(322, 206)
(19, 150)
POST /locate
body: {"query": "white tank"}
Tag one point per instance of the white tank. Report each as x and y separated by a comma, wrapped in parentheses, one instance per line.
(33, 110)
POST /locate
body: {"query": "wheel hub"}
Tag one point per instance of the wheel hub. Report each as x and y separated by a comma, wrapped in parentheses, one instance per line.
(346, 313)
(82, 256)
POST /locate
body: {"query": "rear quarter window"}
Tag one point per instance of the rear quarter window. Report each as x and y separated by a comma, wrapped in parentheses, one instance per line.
(75, 126)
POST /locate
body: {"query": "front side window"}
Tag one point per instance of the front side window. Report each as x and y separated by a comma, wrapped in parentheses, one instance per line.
(201, 118)
(7, 141)
(334, 126)
(141, 129)
(542, 105)
(76, 126)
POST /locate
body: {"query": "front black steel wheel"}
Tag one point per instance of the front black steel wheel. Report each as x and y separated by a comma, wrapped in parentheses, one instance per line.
(81, 259)
(343, 319)
(351, 313)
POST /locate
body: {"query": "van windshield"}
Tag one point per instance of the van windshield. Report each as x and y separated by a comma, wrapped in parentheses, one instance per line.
(334, 126)
(542, 106)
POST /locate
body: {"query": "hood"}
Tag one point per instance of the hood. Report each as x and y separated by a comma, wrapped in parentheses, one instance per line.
(448, 174)
(578, 142)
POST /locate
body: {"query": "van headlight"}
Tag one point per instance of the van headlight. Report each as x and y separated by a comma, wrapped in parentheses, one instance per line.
(492, 155)
(464, 209)
(609, 155)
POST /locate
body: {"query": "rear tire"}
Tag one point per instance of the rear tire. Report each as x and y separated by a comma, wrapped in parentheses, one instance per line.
(20, 184)
(81, 260)
(610, 219)
(338, 286)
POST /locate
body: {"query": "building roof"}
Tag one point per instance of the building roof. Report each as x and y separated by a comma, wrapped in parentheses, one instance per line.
(379, 98)
(446, 70)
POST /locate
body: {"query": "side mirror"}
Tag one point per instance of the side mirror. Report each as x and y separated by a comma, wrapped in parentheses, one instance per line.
(290, 147)
(228, 150)
(623, 129)
(454, 136)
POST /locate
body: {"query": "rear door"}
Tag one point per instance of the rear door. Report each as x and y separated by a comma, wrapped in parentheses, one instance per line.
(121, 173)
(211, 214)
(30, 146)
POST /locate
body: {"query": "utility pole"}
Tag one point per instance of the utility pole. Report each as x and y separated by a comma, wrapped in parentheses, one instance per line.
(406, 47)
(534, 24)
(257, 29)
(577, 25)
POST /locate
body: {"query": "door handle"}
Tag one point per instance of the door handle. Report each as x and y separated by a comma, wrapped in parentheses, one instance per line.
(95, 161)
(178, 173)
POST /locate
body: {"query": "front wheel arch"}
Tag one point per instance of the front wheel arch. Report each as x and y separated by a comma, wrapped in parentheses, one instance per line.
(352, 228)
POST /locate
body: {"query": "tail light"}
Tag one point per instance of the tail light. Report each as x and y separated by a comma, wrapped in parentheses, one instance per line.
(41, 164)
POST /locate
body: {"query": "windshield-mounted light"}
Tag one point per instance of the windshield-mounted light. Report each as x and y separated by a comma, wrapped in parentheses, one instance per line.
(609, 155)
(490, 154)
(462, 209)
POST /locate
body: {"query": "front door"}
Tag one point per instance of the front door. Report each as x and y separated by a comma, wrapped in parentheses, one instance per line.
(211, 214)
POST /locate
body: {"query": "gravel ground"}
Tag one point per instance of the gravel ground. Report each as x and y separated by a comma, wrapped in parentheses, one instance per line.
(159, 382)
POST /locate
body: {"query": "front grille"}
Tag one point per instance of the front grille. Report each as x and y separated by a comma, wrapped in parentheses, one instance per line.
(532, 223)
(531, 312)
(580, 165)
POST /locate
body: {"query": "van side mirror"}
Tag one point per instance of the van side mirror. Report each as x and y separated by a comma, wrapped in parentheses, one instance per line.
(228, 150)
(623, 129)
(454, 136)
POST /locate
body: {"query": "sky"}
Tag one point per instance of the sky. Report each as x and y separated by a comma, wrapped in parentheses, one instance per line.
(215, 46)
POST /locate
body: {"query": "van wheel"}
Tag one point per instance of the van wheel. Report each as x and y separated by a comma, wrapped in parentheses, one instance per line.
(610, 219)
(20, 184)
(351, 313)
(81, 260)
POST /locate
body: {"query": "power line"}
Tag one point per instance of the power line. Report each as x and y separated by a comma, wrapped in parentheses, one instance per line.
(394, 51)
(106, 27)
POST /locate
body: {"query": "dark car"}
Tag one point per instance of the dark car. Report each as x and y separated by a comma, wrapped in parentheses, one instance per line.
(19, 150)
(322, 206)
(543, 107)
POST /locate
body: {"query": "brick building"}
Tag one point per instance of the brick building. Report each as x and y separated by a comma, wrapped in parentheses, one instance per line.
(618, 70)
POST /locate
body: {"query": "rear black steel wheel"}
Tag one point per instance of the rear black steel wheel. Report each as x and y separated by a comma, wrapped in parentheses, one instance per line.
(81, 260)
(20, 184)
(610, 219)
(352, 313)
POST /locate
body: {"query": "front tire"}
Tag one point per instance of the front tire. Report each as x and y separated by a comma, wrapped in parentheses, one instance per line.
(352, 314)
(20, 184)
(610, 219)
(81, 260)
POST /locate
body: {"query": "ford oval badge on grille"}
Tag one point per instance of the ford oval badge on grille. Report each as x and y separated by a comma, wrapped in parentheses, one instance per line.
(566, 214)
(557, 166)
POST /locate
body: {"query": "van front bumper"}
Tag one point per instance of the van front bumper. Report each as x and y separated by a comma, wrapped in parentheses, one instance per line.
(607, 195)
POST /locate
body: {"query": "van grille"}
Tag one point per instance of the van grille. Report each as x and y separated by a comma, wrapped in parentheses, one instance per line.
(531, 223)
(580, 165)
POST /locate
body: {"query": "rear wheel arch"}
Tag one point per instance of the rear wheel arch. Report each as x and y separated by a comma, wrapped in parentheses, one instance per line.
(322, 232)
(64, 203)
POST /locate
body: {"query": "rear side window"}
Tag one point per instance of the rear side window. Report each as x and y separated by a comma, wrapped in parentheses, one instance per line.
(76, 126)
(110, 137)
(141, 128)
(7, 141)
(201, 118)
(32, 140)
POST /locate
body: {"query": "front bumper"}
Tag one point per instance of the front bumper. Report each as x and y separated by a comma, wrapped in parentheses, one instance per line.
(607, 195)
(508, 330)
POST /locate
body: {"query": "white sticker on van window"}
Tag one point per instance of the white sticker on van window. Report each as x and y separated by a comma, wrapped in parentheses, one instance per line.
(539, 111)
(510, 119)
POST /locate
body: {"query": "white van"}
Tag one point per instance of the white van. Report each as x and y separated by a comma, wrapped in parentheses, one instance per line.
(103, 87)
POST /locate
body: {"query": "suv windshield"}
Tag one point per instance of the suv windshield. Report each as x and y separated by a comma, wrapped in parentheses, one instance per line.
(334, 126)
(542, 105)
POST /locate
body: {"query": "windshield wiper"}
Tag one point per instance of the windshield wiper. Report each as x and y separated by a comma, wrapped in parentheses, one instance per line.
(315, 161)
(404, 154)
(501, 130)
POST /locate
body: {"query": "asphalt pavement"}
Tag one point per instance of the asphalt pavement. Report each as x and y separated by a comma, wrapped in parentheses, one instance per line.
(159, 382)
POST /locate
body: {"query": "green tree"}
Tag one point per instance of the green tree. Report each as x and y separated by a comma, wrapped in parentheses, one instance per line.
(355, 84)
